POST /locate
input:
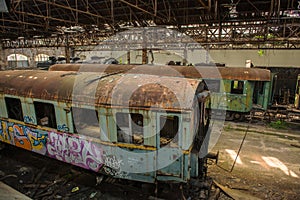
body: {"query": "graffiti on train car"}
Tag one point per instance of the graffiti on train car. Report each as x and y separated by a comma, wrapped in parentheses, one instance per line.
(64, 147)
(112, 166)
(23, 136)
(5, 133)
(74, 150)
(63, 128)
(29, 119)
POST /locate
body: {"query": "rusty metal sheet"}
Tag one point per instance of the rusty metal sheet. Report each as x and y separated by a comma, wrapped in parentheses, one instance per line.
(105, 68)
(36, 84)
(131, 90)
(232, 73)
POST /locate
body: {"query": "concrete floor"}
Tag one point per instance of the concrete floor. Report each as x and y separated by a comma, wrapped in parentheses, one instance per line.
(268, 166)
(8, 193)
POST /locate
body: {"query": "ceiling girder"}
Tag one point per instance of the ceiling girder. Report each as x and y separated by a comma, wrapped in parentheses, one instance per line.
(204, 20)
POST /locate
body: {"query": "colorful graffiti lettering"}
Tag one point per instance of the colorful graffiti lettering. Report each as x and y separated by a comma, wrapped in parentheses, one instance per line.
(5, 132)
(20, 139)
(76, 151)
(38, 140)
(29, 119)
(63, 128)
(23, 136)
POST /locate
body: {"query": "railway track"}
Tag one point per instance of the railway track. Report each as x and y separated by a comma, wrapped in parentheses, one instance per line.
(43, 178)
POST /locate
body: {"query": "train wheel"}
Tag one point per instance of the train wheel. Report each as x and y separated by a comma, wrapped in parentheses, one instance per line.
(238, 116)
(229, 116)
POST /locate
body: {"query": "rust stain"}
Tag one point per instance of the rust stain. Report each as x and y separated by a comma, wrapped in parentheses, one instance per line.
(197, 72)
(99, 89)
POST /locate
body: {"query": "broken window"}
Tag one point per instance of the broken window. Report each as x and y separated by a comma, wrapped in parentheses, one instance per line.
(237, 87)
(14, 108)
(86, 121)
(45, 114)
(169, 126)
(129, 128)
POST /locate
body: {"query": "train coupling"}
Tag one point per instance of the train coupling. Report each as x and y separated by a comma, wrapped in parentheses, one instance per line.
(213, 156)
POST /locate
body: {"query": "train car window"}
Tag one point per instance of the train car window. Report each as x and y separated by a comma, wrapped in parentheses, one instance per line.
(14, 108)
(45, 114)
(129, 128)
(86, 121)
(169, 126)
(237, 87)
(213, 85)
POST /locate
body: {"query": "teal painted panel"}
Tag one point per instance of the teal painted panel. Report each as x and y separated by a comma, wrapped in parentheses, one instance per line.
(186, 167)
(3, 112)
(194, 165)
(170, 162)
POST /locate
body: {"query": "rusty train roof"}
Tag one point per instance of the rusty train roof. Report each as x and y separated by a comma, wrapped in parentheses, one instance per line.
(102, 89)
(232, 73)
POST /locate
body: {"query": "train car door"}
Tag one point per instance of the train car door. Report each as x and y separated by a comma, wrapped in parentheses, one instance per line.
(169, 156)
(297, 93)
(261, 93)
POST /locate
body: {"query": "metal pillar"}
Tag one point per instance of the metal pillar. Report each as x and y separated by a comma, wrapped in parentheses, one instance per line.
(144, 56)
(128, 57)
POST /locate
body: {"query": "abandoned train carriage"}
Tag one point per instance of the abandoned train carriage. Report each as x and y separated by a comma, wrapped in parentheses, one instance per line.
(132, 126)
(236, 90)
(240, 91)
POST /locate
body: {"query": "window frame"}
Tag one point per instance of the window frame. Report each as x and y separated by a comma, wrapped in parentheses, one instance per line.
(178, 134)
(131, 136)
(52, 110)
(21, 118)
(85, 126)
(234, 89)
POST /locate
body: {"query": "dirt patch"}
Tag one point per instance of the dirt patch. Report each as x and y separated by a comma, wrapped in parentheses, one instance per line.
(268, 166)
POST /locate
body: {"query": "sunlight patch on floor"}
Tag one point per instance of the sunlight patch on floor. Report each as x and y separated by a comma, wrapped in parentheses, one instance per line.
(276, 163)
(233, 155)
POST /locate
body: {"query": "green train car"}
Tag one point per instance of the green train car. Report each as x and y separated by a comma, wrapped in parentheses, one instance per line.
(234, 91)
(239, 91)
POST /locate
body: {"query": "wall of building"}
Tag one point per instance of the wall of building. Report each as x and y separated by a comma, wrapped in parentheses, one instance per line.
(267, 58)
(232, 58)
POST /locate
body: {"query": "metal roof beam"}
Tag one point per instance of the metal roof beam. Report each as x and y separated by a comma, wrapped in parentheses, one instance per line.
(73, 9)
(141, 9)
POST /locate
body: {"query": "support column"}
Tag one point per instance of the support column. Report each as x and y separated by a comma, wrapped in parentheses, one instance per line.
(67, 49)
(144, 56)
(128, 57)
(3, 59)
